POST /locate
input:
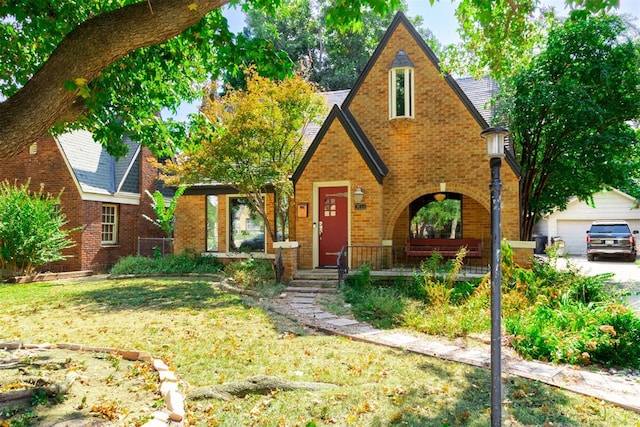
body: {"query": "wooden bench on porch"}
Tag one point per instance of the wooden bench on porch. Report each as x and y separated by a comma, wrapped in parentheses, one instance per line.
(448, 248)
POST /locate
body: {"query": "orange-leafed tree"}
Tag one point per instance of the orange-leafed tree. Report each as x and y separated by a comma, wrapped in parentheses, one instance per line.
(252, 138)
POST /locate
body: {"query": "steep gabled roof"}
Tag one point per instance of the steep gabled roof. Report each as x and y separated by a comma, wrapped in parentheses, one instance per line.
(95, 171)
(399, 19)
(474, 97)
(335, 97)
(362, 144)
(479, 92)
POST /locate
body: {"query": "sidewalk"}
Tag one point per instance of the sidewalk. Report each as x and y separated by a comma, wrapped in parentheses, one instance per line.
(619, 389)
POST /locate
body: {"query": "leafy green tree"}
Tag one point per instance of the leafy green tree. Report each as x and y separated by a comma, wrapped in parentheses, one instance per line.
(31, 229)
(330, 57)
(252, 139)
(110, 66)
(164, 214)
(499, 37)
(569, 112)
(442, 216)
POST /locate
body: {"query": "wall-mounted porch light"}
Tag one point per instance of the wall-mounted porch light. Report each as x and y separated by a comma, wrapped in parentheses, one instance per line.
(439, 197)
(358, 196)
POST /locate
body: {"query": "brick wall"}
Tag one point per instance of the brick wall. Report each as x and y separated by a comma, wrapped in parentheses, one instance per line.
(190, 229)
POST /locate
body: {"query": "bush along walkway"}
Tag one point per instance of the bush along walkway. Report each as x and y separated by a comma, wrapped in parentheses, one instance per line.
(621, 389)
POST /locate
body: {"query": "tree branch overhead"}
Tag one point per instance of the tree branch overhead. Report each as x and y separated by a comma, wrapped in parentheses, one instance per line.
(83, 54)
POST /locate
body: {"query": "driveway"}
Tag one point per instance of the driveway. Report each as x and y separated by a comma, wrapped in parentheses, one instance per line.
(626, 273)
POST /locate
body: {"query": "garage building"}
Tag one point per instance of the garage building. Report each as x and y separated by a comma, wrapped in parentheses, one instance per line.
(571, 224)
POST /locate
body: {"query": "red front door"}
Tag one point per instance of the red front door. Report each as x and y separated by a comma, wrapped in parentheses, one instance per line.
(332, 223)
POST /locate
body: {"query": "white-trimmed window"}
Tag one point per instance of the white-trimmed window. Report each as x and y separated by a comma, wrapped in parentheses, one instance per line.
(212, 223)
(246, 227)
(109, 224)
(401, 87)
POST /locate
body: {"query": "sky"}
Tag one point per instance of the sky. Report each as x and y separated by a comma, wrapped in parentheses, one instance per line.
(440, 18)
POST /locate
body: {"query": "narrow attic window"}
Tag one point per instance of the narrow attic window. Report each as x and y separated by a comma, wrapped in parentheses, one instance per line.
(401, 87)
(33, 148)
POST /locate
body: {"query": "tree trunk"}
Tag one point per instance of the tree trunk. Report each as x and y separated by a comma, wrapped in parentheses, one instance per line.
(84, 53)
(260, 384)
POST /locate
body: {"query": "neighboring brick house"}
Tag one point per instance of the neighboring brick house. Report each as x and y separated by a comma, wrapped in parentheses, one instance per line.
(404, 136)
(102, 195)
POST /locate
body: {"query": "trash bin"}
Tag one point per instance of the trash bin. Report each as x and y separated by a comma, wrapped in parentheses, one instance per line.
(541, 243)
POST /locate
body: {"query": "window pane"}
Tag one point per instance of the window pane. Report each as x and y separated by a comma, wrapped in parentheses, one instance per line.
(400, 93)
(109, 224)
(409, 93)
(246, 228)
(212, 224)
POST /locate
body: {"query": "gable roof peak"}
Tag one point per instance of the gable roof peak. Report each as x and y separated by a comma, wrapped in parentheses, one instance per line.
(95, 170)
(401, 60)
(357, 137)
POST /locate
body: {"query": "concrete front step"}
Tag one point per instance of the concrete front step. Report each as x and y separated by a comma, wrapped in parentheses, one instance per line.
(319, 274)
(309, 283)
(309, 290)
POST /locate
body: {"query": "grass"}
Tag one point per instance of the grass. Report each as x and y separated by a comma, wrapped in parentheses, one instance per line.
(212, 337)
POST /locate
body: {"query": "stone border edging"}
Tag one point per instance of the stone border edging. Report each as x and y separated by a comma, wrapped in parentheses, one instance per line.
(174, 400)
(617, 391)
(46, 277)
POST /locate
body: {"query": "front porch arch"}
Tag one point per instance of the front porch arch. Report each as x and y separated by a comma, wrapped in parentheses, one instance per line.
(401, 207)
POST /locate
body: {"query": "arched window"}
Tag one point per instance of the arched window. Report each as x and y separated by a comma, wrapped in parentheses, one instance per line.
(401, 87)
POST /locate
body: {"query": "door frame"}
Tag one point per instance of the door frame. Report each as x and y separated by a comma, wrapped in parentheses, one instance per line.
(315, 219)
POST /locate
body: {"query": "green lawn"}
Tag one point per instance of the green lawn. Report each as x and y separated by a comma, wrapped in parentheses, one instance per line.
(212, 337)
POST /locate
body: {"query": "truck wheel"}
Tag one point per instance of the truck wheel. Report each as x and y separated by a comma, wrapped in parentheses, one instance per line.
(632, 258)
(591, 257)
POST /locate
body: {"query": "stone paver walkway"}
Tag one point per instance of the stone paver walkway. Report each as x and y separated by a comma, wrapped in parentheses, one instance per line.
(617, 388)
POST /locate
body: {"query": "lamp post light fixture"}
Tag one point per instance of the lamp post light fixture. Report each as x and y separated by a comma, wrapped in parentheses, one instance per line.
(495, 151)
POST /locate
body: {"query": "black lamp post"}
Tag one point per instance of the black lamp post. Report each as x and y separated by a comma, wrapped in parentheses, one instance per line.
(495, 152)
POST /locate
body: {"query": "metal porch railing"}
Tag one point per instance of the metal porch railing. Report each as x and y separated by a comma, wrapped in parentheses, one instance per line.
(394, 258)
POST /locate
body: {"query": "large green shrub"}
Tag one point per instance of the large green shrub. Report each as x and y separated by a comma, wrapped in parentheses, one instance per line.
(31, 229)
(608, 334)
(184, 263)
(561, 315)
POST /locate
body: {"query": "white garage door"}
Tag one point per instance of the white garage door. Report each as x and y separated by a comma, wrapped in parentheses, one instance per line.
(574, 234)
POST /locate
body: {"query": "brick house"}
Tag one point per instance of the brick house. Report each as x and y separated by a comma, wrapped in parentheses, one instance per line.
(403, 137)
(406, 136)
(102, 195)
